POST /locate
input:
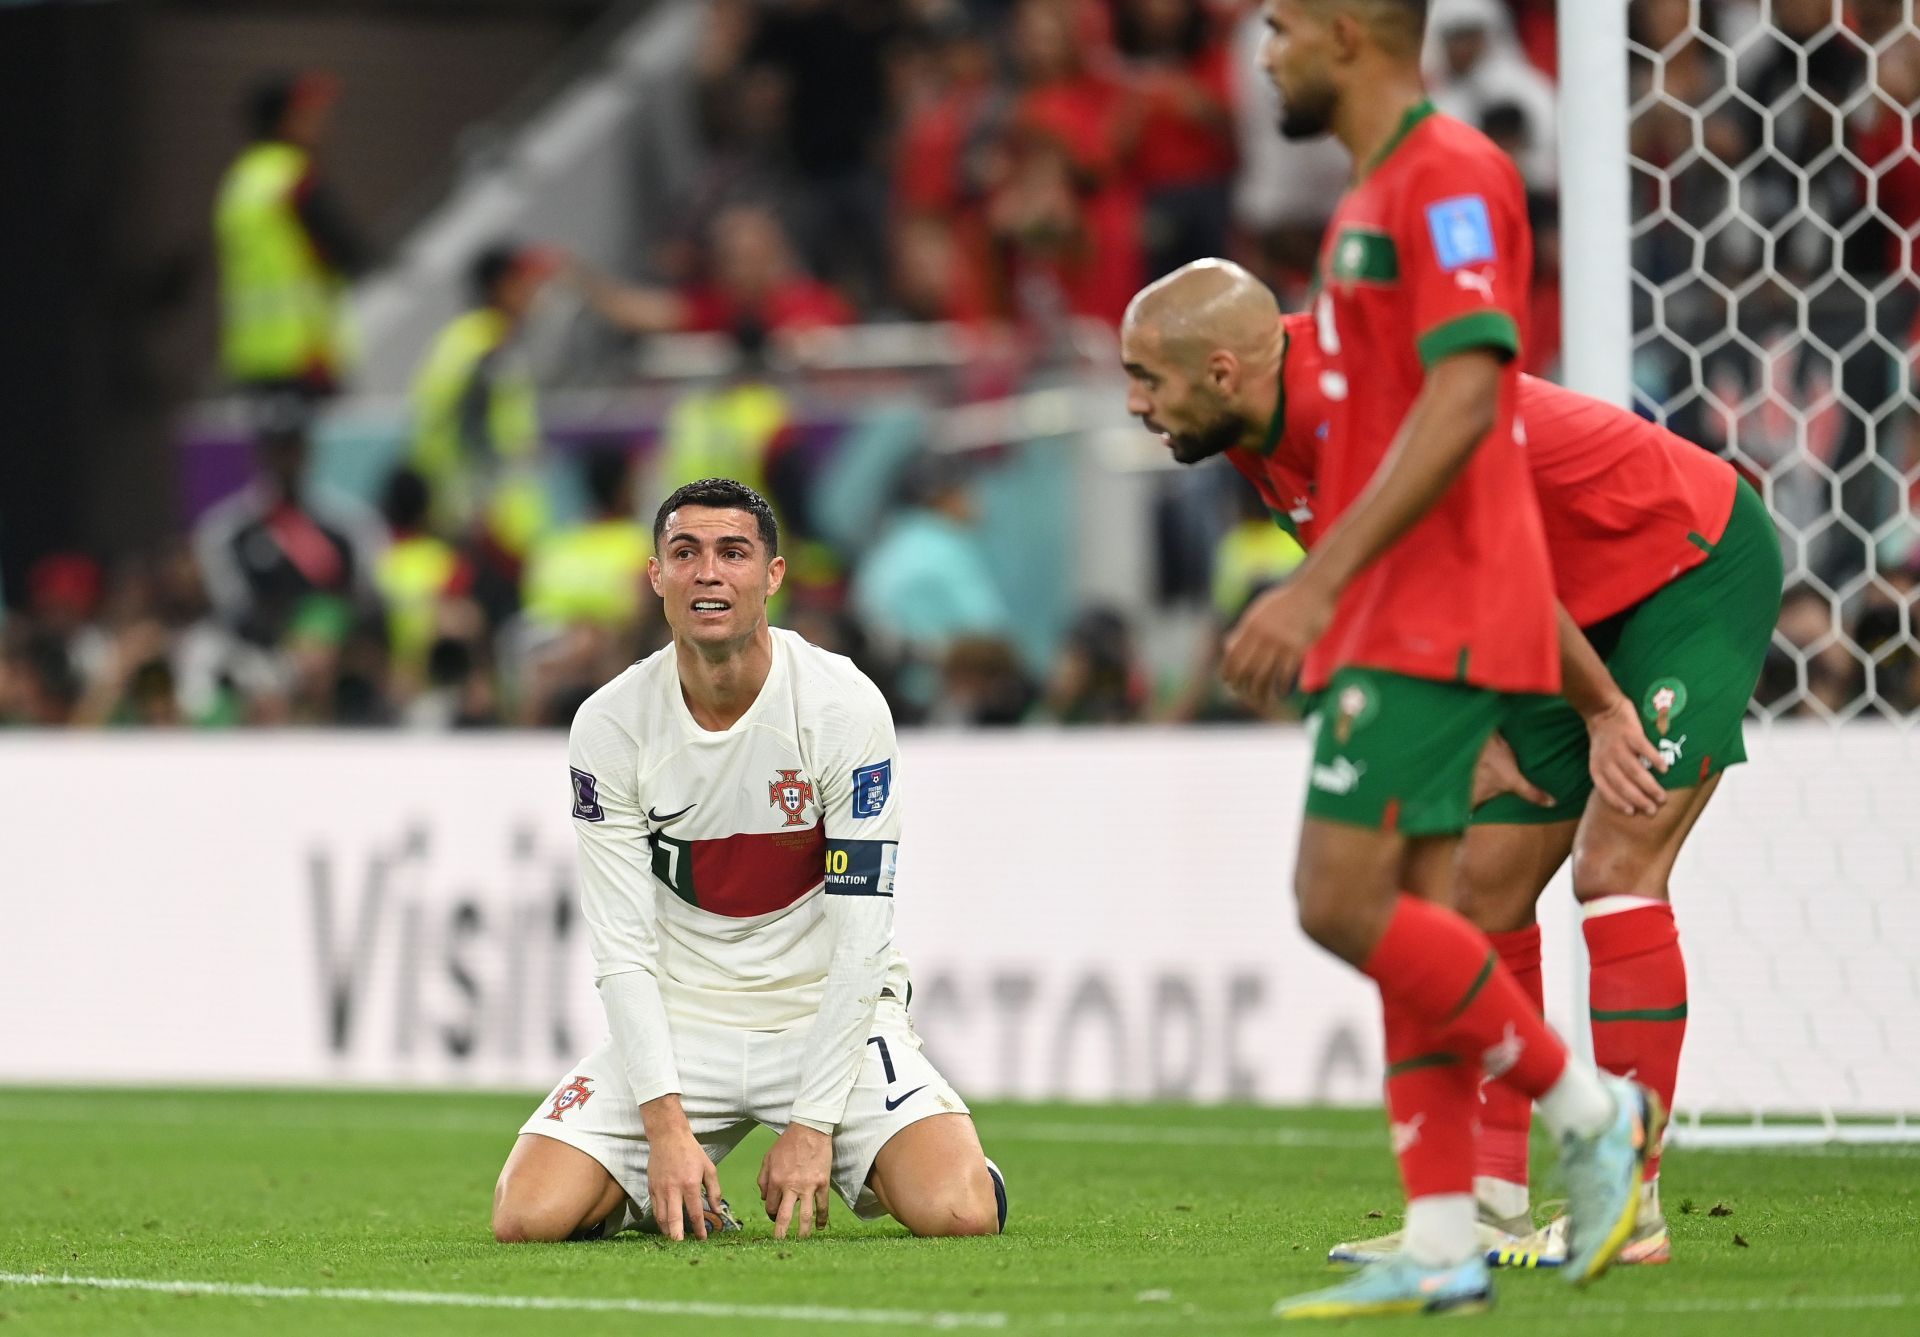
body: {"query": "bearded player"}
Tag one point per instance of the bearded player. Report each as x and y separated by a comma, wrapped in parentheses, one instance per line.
(735, 800)
(1671, 567)
(1424, 618)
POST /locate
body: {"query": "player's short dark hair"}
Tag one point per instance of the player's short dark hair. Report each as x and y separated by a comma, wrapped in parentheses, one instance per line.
(721, 494)
(1411, 14)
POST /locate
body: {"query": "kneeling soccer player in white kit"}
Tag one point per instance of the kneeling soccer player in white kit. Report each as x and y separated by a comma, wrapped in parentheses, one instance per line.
(734, 799)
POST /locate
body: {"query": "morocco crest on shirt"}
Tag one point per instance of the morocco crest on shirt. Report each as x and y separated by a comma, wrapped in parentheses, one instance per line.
(791, 795)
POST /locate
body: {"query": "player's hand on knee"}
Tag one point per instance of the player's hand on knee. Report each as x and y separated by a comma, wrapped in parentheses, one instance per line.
(678, 1172)
(1623, 762)
(794, 1181)
(1498, 772)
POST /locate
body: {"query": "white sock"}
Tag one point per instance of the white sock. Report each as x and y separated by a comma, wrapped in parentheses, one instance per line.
(1577, 1103)
(1440, 1229)
(1500, 1197)
(1601, 906)
(1650, 1199)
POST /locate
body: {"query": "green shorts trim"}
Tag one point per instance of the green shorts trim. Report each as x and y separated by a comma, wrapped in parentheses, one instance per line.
(1396, 753)
(1688, 655)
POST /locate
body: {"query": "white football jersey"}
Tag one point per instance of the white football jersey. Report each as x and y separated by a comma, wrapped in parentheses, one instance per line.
(704, 855)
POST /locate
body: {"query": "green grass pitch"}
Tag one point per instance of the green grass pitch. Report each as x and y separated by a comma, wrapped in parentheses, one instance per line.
(261, 1208)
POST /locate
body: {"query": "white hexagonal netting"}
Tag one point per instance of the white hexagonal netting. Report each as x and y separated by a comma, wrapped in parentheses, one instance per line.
(1776, 201)
(1775, 205)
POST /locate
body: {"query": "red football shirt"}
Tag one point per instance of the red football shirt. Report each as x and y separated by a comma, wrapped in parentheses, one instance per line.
(1627, 505)
(1428, 255)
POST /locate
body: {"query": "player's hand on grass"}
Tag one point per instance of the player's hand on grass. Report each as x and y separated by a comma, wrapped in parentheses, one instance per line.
(678, 1171)
(1271, 638)
(1623, 762)
(1498, 772)
(794, 1180)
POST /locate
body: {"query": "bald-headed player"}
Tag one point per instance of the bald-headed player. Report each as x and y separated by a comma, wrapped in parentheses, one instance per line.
(1670, 565)
(1424, 618)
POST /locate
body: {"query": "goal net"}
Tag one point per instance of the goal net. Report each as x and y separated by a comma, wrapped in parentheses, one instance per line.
(1773, 206)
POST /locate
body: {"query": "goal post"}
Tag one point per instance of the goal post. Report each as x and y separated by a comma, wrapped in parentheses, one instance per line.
(1714, 279)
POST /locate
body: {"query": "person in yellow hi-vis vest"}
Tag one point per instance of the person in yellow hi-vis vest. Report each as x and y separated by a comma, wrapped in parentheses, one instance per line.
(594, 571)
(286, 249)
(729, 429)
(476, 413)
(416, 576)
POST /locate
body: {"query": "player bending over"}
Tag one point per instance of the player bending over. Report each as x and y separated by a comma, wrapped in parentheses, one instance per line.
(735, 798)
(1670, 566)
(1424, 618)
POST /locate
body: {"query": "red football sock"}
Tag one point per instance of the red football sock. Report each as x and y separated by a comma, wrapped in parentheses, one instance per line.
(1638, 994)
(1432, 1096)
(1506, 1116)
(1441, 969)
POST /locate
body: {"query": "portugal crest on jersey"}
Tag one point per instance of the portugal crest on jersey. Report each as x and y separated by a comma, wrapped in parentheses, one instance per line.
(791, 795)
(571, 1096)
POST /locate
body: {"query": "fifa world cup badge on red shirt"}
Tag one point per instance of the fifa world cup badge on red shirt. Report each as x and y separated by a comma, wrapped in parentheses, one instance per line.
(791, 795)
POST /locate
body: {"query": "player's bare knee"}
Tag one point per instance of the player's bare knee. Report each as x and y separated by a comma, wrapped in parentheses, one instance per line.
(1341, 925)
(1490, 900)
(519, 1219)
(963, 1205)
(1607, 868)
(514, 1226)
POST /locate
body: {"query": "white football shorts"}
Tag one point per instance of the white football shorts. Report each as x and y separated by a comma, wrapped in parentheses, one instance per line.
(734, 1079)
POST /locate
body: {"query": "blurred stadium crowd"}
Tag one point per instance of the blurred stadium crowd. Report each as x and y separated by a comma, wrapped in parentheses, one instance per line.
(1007, 166)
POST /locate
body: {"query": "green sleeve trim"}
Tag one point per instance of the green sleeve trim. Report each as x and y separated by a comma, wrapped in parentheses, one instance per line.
(1476, 329)
(1420, 1061)
(1676, 1013)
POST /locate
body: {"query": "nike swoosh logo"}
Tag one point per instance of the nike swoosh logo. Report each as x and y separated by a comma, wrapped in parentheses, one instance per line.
(659, 819)
(896, 1104)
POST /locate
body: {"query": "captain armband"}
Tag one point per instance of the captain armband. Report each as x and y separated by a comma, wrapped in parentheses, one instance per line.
(860, 867)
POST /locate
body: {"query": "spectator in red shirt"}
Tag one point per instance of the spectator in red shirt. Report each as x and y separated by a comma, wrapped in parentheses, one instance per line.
(1182, 65)
(1069, 214)
(753, 278)
(945, 163)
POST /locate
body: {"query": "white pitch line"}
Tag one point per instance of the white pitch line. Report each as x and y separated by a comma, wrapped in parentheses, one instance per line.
(898, 1318)
(1756, 1305)
(165, 1114)
(1127, 1134)
(936, 1319)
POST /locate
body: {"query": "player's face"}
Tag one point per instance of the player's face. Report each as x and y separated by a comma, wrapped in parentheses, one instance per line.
(1190, 417)
(713, 574)
(1297, 56)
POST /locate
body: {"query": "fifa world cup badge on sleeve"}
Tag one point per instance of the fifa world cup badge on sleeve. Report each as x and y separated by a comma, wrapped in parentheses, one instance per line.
(1462, 232)
(871, 785)
(586, 797)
